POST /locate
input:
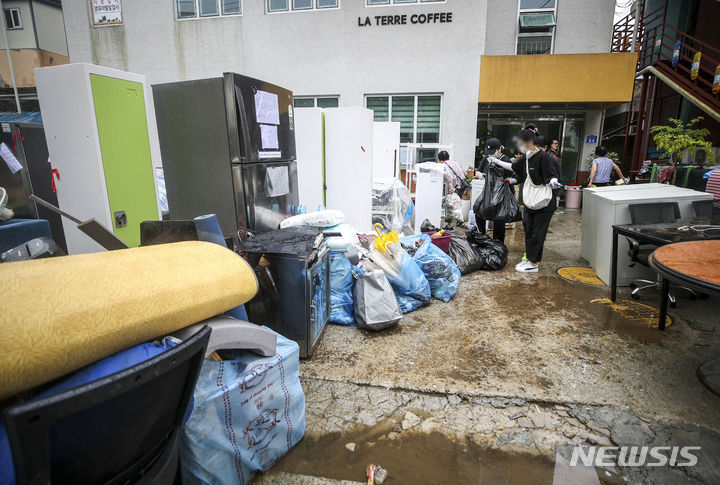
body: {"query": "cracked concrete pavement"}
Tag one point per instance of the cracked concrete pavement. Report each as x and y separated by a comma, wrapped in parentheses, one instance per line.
(579, 373)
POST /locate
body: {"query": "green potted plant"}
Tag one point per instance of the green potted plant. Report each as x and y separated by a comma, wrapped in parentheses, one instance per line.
(679, 139)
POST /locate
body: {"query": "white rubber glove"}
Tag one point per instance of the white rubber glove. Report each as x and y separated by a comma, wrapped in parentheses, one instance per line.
(554, 184)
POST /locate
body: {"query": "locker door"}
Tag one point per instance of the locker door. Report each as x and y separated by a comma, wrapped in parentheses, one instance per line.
(125, 147)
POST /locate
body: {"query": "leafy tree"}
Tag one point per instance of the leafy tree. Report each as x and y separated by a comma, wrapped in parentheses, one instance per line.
(680, 139)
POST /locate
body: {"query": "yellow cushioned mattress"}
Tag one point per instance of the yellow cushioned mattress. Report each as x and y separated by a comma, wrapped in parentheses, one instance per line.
(60, 314)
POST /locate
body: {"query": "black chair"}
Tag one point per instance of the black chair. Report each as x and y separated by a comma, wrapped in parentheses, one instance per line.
(703, 208)
(124, 428)
(640, 253)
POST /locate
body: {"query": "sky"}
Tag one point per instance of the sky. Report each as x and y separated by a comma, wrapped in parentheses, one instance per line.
(622, 8)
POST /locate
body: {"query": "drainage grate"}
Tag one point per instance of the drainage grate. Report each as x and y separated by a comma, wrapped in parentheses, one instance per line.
(580, 274)
(633, 310)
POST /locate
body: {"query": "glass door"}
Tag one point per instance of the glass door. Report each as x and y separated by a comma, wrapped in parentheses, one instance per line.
(570, 148)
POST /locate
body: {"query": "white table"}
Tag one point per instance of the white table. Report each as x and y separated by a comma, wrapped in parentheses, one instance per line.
(604, 207)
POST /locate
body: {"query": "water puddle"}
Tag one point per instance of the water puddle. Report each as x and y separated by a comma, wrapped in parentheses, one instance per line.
(414, 458)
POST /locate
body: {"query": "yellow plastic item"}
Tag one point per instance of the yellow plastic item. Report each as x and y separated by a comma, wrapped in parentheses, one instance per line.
(60, 314)
(438, 234)
(383, 239)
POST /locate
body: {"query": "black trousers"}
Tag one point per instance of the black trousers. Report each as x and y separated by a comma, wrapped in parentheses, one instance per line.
(536, 225)
(498, 228)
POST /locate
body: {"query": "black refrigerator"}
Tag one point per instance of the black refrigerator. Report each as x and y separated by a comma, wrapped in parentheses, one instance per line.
(228, 148)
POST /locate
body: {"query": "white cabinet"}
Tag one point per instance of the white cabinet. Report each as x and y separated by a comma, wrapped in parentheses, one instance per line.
(386, 149)
(310, 153)
(102, 139)
(348, 164)
(608, 207)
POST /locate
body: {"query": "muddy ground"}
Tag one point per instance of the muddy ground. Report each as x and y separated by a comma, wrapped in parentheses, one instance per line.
(431, 398)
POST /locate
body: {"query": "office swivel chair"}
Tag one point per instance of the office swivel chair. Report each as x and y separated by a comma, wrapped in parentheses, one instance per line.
(123, 428)
(640, 253)
(703, 208)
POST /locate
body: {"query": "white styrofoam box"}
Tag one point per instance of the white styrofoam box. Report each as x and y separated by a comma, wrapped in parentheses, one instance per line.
(476, 189)
(611, 208)
(429, 194)
(309, 151)
(386, 149)
(348, 164)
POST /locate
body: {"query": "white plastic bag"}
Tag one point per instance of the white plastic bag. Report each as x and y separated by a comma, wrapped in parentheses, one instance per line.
(453, 207)
(324, 218)
(375, 305)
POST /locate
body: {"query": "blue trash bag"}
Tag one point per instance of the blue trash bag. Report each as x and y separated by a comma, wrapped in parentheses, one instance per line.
(109, 365)
(440, 270)
(342, 283)
(412, 288)
(248, 413)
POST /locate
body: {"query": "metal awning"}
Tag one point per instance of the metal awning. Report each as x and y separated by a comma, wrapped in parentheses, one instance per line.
(26, 117)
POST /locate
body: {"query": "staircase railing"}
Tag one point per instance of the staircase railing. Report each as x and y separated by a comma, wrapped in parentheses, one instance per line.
(671, 51)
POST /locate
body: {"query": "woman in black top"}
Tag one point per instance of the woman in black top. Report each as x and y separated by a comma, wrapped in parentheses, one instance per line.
(543, 171)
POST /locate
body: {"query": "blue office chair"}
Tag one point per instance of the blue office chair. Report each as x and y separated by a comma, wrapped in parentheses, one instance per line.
(640, 253)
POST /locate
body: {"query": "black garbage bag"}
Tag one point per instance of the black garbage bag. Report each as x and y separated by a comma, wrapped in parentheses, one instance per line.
(494, 253)
(465, 255)
(427, 226)
(498, 201)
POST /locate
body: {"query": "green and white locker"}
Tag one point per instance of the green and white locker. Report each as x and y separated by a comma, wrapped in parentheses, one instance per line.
(102, 140)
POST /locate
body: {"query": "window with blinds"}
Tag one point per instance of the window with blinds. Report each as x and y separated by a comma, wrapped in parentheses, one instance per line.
(419, 115)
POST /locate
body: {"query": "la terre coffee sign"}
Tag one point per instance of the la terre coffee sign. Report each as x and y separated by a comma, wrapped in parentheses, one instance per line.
(416, 18)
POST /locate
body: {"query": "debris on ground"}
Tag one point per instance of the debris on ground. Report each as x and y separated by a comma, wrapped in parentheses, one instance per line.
(380, 475)
(350, 447)
(410, 420)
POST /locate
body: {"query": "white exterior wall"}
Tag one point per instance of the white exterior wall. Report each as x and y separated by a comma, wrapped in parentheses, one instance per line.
(583, 26)
(312, 52)
(50, 28)
(20, 38)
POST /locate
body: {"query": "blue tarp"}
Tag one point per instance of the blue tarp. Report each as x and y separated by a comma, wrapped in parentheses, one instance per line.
(26, 117)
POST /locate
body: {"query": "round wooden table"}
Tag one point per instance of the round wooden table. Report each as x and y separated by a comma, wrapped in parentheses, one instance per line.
(696, 265)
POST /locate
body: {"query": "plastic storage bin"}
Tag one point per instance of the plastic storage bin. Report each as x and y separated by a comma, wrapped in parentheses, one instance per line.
(443, 242)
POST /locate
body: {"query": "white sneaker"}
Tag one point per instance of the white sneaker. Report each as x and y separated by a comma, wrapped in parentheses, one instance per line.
(521, 264)
(526, 268)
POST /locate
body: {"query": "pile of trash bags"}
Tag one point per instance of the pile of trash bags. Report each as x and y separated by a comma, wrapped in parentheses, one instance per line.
(395, 277)
(440, 270)
(478, 252)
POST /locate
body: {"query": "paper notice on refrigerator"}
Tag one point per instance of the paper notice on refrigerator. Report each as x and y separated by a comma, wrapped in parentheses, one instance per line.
(277, 181)
(10, 159)
(267, 109)
(269, 136)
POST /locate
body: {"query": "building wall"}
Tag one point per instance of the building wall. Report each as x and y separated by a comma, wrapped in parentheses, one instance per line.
(583, 26)
(321, 52)
(24, 61)
(50, 28)
(20, 38)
